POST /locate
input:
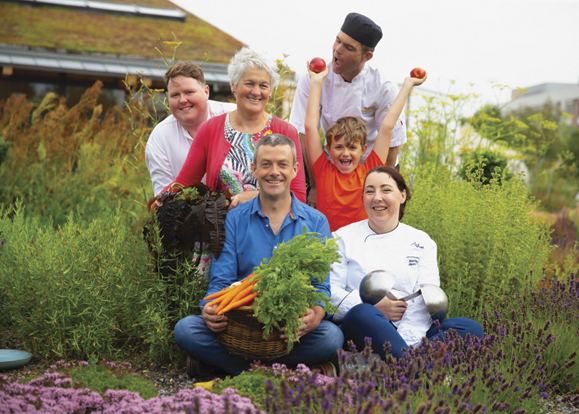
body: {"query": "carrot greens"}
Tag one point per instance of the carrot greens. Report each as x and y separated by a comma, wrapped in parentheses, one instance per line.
(285, 288)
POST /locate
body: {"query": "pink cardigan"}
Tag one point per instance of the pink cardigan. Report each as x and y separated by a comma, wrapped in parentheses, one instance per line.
(209, 149)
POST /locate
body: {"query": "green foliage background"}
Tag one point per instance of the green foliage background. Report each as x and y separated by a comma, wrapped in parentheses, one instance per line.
(485, 235)
(60, 159)
(76, 277)
(543, 140)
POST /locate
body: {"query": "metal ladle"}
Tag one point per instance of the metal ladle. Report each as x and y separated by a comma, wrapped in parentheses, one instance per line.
(378, 284)
(435, 299)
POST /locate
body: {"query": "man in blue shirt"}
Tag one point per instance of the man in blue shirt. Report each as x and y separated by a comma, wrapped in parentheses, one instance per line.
(253, 230)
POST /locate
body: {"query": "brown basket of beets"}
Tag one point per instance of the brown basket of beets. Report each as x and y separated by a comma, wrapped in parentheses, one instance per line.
(243, 336)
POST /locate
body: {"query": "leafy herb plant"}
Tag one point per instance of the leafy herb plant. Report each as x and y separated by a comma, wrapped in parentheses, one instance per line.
(259, 379)
(285, 284)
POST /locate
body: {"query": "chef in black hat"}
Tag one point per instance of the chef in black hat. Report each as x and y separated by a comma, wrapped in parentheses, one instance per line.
(353, 87)
(354, 45)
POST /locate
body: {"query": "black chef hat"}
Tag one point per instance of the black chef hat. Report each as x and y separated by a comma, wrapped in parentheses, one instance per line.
(362, 29)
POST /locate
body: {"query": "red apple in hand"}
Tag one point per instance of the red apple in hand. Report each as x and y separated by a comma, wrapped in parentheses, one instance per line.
(317, 65)
(417, 73)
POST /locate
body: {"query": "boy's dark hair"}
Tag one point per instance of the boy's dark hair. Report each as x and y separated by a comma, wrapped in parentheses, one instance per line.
(187, 69)
(398, 179)
(351, 128)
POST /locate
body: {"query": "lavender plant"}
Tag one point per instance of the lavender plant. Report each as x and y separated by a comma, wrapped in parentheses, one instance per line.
(522, 362)
(504, 372)
(552, 312)
(458, 376)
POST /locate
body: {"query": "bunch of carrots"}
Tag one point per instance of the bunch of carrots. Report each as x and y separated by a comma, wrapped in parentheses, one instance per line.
(234, 296)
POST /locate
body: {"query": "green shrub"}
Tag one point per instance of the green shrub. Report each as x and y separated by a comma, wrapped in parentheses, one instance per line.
(250, 383)
(180, 286)
(4, 147)
(169, 300)
(83, 283)
(255, 382)
(73, 291)
(491, 162)
(89, 288)
(485, 235)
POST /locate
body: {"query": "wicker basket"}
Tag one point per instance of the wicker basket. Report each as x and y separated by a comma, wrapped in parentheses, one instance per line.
(244, 337)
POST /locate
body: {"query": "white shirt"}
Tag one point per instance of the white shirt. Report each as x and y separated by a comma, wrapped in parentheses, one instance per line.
(408, 253)
(169, 144)
(367, 97)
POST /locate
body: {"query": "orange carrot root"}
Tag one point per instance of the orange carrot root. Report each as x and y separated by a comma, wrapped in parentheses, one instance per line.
(237, 304)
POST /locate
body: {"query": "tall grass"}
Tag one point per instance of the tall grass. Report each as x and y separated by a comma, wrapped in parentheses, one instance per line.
(62, 159)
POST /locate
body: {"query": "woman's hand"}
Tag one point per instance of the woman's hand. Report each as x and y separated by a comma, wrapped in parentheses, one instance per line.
(242, 198)
(216, 323)
(153, 204)
(393, 310)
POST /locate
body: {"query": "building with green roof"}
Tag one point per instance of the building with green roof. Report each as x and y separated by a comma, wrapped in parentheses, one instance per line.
(66, 45)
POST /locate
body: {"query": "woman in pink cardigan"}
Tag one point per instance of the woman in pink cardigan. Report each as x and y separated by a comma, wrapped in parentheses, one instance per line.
(223, 147)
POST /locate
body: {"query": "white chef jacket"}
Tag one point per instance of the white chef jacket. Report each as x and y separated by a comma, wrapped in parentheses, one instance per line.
(169, 144)
(367, 97)
(408, 253)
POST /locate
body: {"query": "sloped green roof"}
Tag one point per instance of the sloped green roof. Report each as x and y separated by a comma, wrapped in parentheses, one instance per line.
(76, 32)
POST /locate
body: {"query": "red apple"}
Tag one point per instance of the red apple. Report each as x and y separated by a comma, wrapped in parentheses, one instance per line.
(417, 73)
(317, 65)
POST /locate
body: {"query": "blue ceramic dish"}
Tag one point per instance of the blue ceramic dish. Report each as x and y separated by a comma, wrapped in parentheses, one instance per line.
(11, 358)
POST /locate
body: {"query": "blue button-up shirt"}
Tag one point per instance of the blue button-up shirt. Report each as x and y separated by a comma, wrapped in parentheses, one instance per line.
(249, 239)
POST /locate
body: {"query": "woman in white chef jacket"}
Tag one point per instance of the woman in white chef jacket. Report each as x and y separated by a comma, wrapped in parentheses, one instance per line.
(382, 242)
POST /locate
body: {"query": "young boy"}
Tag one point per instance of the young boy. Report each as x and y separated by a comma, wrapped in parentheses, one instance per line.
(339, 184)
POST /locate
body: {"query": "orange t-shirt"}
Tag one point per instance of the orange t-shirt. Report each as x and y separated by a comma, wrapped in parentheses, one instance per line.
(339, 196)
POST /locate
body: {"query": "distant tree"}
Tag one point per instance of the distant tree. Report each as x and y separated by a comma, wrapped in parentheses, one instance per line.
(549, 148)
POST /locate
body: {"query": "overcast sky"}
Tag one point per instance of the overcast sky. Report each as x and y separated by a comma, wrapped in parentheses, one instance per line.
(518, 43)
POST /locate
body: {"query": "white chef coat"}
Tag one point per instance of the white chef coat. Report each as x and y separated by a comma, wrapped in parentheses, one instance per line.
(367, 97)
(408, 253)
(169, 144)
